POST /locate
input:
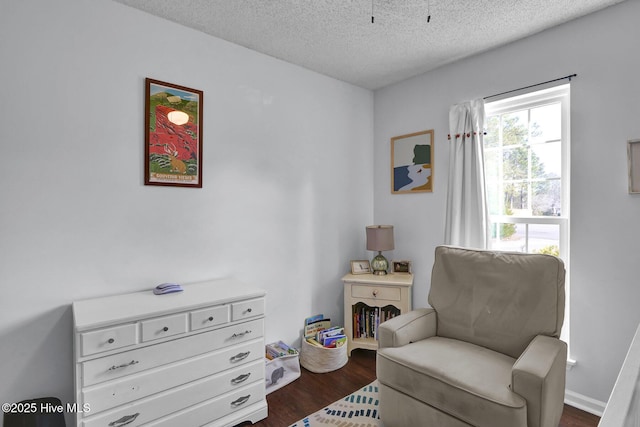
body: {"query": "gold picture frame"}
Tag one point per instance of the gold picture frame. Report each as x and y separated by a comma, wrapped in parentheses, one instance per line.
(412, 163)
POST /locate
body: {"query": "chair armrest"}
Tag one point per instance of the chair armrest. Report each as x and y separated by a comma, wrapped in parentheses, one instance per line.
(410, 327)
(539, 376)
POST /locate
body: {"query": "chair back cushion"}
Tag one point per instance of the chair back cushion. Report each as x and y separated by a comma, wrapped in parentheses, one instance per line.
(499, 300)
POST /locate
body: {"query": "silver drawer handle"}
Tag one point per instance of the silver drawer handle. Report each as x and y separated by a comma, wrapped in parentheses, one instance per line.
(375, 292)
(240, 401)
(241, 334)
(127, 419)
(240, 379)
(240, 356)
(124, 365)
(248, 310)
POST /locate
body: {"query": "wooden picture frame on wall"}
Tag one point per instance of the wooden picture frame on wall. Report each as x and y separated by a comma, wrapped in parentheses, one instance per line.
(173, 135)
(412, 163)
(633, 155)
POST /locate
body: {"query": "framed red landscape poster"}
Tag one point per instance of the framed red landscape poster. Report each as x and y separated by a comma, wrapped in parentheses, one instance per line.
(173, 135)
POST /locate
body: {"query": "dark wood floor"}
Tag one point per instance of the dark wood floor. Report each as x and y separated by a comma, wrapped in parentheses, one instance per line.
(312, 392)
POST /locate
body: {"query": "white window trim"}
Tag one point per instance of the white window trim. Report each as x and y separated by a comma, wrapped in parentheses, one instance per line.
(538, 98)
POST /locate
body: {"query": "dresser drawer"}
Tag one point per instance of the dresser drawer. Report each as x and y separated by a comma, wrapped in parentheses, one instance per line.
(375, 292)
(221, 406)
(178, 398)
(129, 362)
(209, 317)
(133, 387)
(247, 309)
(161, 327)
(108, 339)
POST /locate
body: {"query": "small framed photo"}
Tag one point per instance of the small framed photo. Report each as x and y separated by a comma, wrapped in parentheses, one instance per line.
(360, 266)
(401, 266)
(633, 153)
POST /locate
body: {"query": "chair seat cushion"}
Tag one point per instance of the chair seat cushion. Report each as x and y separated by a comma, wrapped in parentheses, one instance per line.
(466, 381)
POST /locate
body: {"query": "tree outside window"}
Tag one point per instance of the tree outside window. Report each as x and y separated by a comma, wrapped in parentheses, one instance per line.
(523, 155)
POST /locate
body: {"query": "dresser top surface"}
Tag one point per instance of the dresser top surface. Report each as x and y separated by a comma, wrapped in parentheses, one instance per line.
(110, 310)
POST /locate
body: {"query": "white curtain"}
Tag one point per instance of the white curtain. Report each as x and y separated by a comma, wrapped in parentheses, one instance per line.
(466, 219)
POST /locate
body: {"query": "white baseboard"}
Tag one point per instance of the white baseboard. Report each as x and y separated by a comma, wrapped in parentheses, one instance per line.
(585, 403)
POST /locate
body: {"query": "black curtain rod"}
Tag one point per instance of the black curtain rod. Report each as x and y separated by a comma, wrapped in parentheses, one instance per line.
(527, 87)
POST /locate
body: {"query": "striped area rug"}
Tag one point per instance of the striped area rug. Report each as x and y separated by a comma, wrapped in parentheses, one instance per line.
(359, 409)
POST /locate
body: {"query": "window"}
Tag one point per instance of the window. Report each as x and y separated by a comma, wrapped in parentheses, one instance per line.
(526, 153)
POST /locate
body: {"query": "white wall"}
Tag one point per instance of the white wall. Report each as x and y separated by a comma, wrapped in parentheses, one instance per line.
(286, 195)
(605, 113)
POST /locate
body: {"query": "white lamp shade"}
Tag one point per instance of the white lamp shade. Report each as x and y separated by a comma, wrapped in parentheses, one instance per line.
(380, 237)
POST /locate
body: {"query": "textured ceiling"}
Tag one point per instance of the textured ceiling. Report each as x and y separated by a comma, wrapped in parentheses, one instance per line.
(338, 39)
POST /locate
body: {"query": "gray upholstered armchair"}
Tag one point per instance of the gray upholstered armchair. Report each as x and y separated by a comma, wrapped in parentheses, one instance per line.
(487, 354)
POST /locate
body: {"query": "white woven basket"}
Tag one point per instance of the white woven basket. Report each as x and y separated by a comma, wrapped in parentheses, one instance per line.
(322, 359)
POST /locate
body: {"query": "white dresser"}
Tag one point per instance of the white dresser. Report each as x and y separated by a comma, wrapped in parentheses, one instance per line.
(184, 359)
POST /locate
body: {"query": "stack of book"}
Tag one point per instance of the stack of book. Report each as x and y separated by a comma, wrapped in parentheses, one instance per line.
(319, 332)
(366, 320)
(278, 349)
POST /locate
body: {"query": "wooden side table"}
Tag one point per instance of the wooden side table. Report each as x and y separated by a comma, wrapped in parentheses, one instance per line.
(370, 300)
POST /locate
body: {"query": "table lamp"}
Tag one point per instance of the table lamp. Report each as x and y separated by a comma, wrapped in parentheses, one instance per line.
(379, 238)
